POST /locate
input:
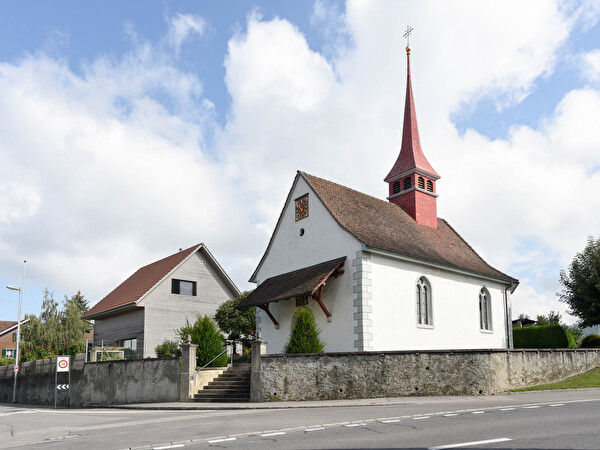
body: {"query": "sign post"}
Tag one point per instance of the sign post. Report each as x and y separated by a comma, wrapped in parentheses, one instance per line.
(63, 364)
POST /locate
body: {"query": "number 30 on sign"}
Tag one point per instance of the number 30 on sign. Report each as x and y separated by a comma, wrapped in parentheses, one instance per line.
(62, 363)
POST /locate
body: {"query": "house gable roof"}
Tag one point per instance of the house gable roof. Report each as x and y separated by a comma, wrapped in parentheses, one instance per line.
(141, 283)
(7, 326)
(381, 225)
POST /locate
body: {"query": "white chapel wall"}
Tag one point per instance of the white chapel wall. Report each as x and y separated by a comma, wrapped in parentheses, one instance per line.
(455, 309)
(323, 240)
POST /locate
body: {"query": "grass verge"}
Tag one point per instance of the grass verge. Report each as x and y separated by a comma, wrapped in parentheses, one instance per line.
(589, 379)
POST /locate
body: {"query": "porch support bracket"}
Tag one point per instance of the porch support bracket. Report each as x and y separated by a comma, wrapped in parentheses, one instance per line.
(317, 296)
(265, 308)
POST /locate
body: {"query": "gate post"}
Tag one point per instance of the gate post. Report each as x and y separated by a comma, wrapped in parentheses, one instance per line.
(187, 372)
(255, 371)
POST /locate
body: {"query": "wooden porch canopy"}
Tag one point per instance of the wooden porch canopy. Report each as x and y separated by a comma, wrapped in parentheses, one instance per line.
(307, 282)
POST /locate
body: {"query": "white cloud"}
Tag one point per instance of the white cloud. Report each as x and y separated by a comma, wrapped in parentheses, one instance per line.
(590, 65)
(182, 26)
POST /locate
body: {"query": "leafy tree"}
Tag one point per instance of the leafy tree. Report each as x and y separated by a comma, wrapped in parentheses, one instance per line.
(206, 335)
(237, 324)
(305, 334)
(553, 318)
(168, 349)
(55, 331)
(581, 285)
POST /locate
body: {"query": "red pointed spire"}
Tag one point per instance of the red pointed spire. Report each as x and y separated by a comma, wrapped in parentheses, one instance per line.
(412, 179)
(411, 155)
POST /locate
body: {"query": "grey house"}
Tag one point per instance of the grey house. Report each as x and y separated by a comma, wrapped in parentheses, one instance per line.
(147, 307)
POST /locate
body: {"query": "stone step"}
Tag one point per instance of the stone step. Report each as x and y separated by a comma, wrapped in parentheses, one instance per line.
(222, 400)
(222, 394)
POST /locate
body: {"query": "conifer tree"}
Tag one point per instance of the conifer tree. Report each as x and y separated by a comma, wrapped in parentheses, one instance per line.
(305, 334)
(207, 336)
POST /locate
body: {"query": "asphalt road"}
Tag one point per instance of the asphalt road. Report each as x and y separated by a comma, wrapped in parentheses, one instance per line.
(558, 419)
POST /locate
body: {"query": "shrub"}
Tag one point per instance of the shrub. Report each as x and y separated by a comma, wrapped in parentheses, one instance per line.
(591, 341)
(206, 335)
(305, 334)
(543, 336)
(4, 361)
(168, 349)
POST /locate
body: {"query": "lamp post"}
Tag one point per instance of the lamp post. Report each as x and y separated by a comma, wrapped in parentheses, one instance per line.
(20, 289)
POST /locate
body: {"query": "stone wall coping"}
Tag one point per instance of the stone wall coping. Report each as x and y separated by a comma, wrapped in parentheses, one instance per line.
(123, 361)
(435, 352)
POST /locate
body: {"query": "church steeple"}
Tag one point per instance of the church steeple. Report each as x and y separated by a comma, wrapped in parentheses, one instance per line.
(412, 179)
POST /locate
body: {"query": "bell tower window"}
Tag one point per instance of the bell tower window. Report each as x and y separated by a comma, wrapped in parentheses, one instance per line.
(429, 186)
(407, 183)
(396, 187)
(421, 183)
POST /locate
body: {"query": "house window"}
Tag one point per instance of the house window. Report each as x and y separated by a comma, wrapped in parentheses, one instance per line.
(485, 310)
(407, 183)
(9, 352)
(429, 186)
(423, 297)
(129, 348)
(396, 187)
(183, 287)
(421, 183)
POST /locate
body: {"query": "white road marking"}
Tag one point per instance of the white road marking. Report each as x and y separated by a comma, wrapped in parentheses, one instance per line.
(214, 441)
(277, 433)
(355, 425)
(421, 417)
(558, 404)
(390, 421)
(508, 409)
(314, 429)
(450, 415)
(531, 407)
(17, 412)
(169, 446)
(467, 444)
(478, 412)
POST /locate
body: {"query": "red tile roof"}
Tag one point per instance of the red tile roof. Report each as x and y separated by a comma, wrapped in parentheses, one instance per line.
(299, 283)
(382, 225)
(138, 284)
(6, 324)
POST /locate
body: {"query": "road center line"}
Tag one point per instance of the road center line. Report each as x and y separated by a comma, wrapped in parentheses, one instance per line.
(468, 444)
(478, 412)
(314, 429)
(214, 441)
(390, 421)
(531, 407)
(355, 425)
(277, 433)
(421, 417)
(450, 415)
(508, 409)
(169, 446)
(558, 404)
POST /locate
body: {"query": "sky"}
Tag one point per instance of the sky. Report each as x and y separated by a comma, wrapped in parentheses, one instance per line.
(133, 129)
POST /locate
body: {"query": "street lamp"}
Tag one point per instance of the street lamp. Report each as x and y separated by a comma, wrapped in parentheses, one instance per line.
(20, 289)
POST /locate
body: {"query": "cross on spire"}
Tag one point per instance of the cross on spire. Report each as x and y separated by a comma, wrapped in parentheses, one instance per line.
(407, 34)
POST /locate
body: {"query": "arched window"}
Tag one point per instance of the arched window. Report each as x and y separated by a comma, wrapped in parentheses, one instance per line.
(485, 310)
(407, 183)
(429, 186)
(423, 297)
(421, 183)
(396, 187)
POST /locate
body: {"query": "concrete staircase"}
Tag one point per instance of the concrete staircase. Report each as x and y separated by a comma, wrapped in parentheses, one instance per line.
(231, 386)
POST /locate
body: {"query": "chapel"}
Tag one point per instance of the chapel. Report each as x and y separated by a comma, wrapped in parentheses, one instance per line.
(379, 274)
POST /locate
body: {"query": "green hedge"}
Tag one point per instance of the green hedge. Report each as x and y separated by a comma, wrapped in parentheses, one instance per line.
(543, 336)
(591, 341)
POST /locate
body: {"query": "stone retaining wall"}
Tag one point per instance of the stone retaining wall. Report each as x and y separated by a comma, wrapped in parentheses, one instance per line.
(107, 382)
(393, 374)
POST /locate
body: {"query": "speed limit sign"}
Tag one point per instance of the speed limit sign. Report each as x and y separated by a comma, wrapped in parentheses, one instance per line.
(62, 363)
